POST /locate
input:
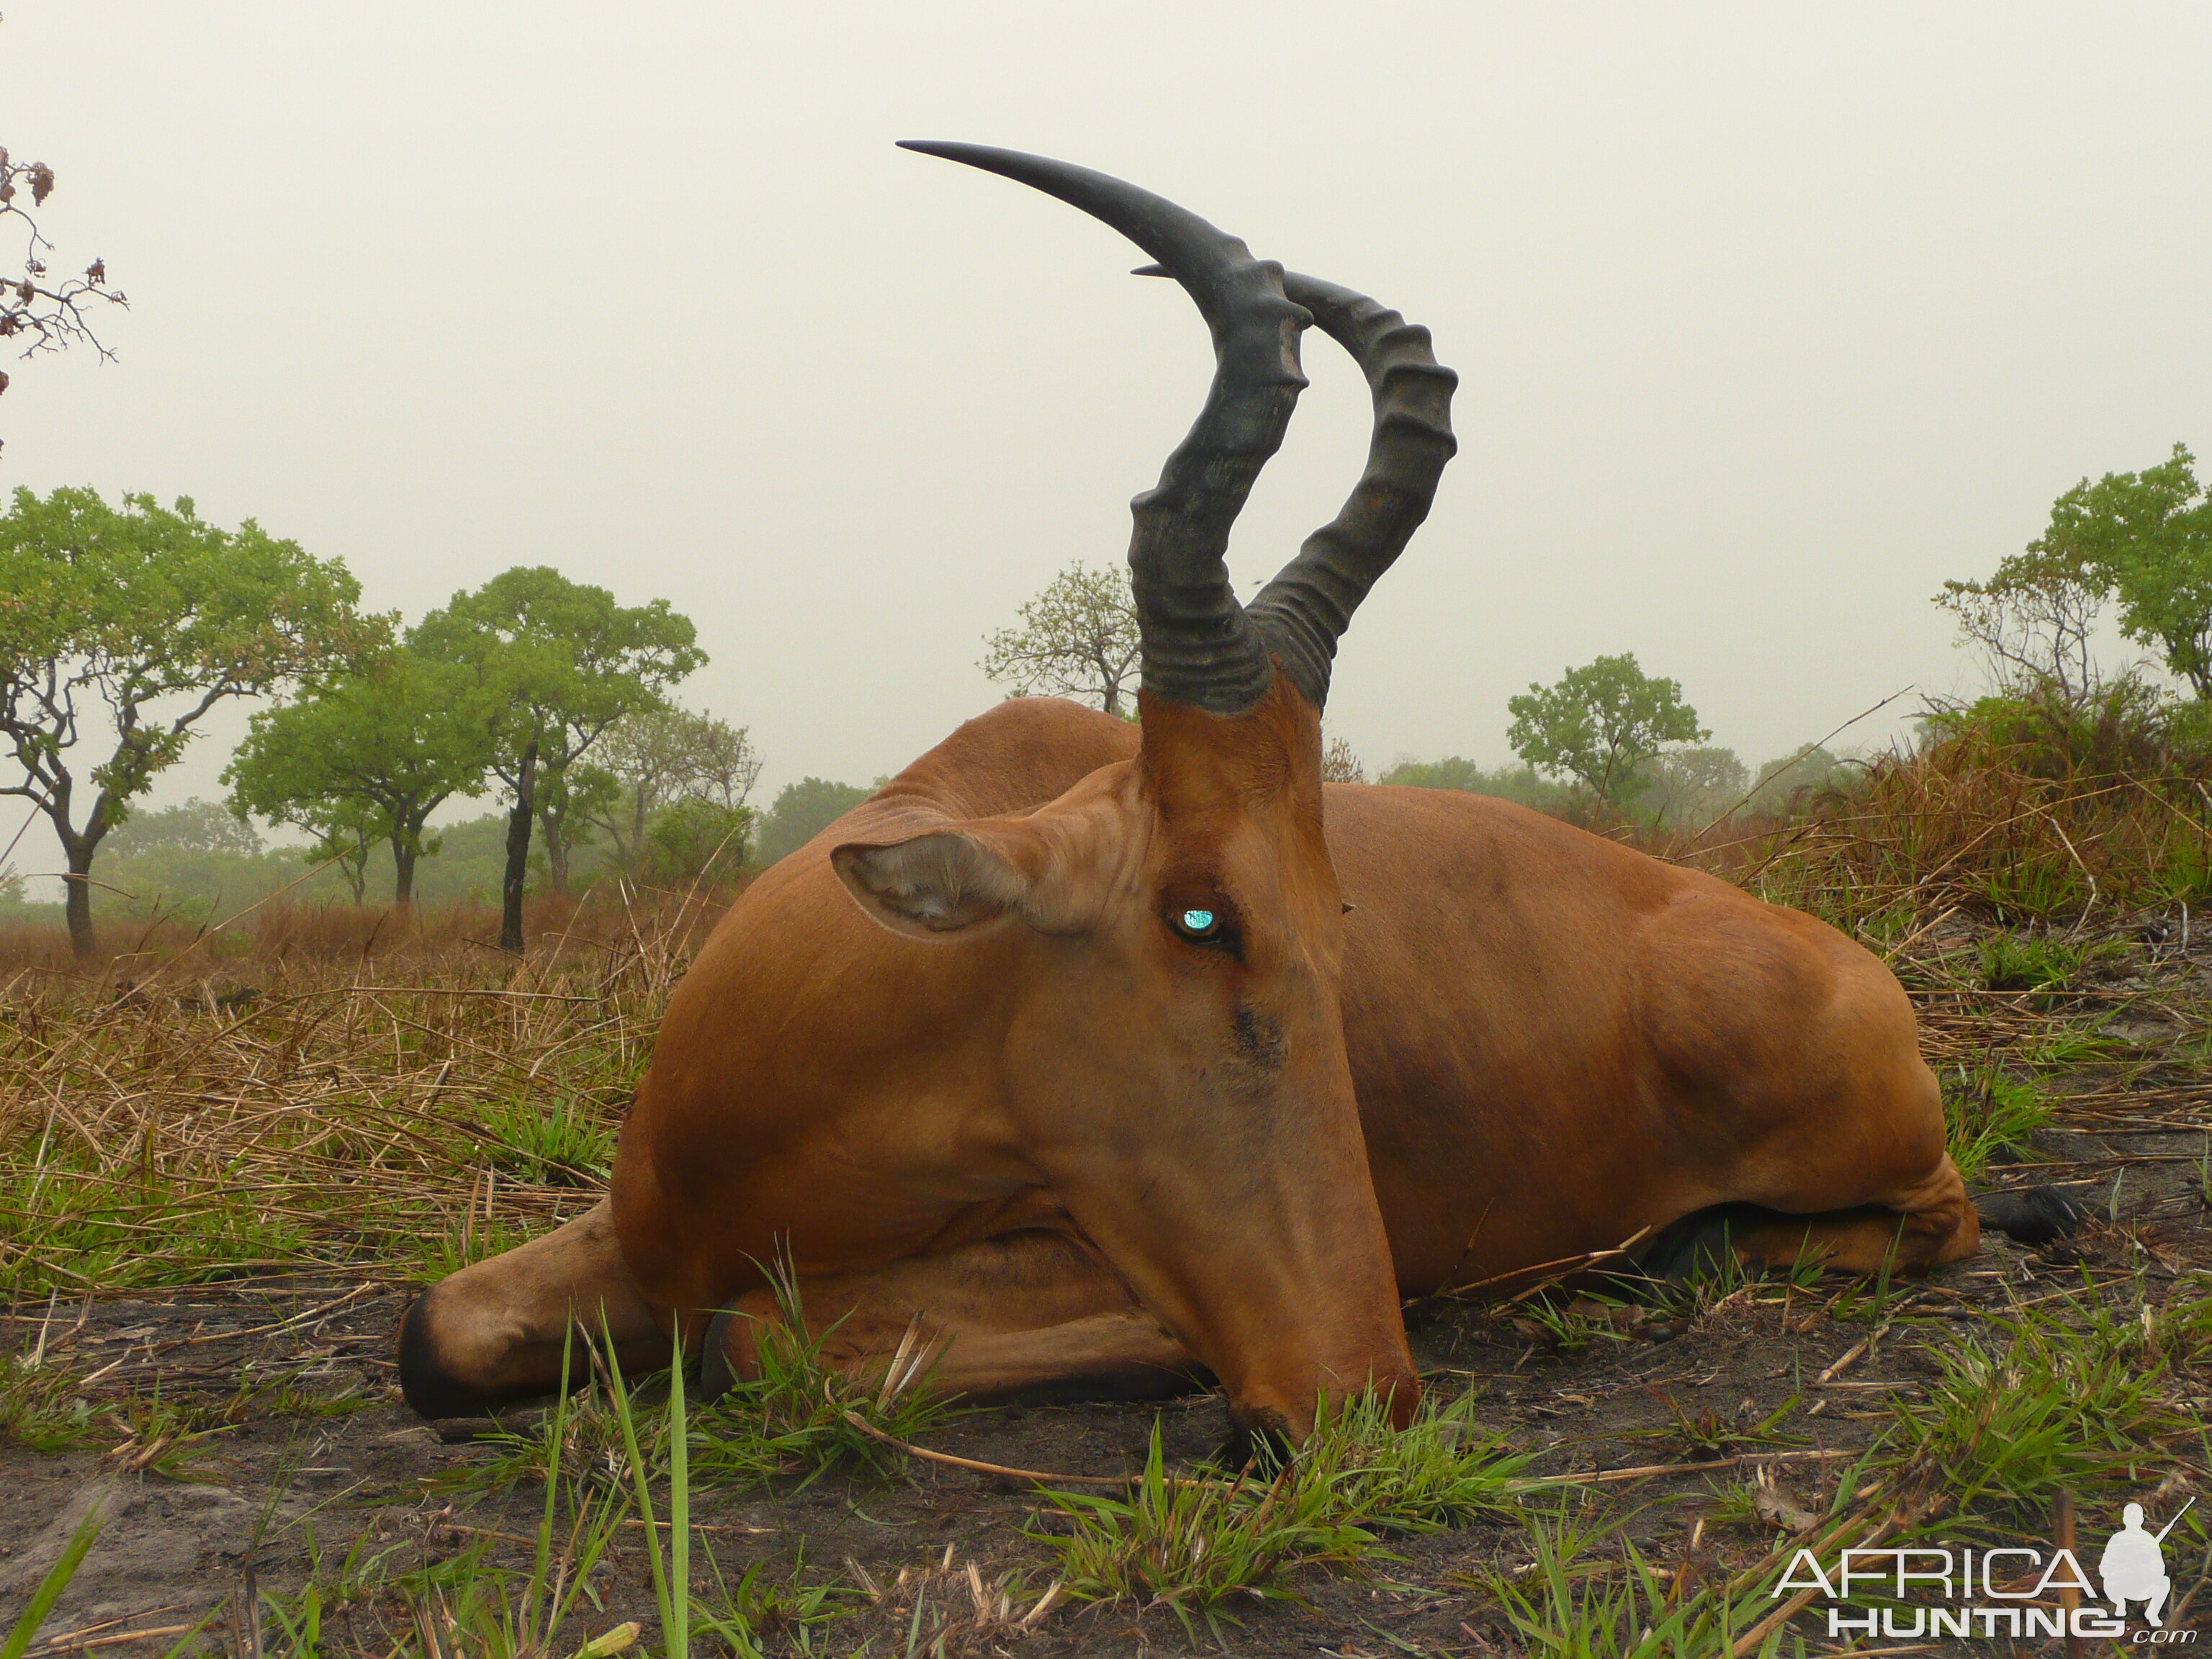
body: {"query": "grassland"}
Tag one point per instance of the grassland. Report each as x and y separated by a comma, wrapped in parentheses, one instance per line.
(225, 1158)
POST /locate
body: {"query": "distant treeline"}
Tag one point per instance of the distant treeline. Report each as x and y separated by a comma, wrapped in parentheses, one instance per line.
(1684, 789)
(199, 863)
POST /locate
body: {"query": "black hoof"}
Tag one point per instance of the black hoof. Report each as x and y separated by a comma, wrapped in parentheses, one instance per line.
(428, 1387)
(715, 1376)
(2033, 1215)
(1261, 1441)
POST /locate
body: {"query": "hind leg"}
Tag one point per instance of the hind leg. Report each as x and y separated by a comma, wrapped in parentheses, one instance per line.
(1808, 1094)
(1925, 1226)
(1026, 1315)
(495, 1331)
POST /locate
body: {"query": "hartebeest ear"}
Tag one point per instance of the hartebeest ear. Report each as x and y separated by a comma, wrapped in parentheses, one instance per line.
(935, 884)
(1050, 870)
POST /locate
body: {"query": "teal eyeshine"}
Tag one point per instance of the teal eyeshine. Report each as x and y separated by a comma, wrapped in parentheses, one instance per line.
(1197, 921)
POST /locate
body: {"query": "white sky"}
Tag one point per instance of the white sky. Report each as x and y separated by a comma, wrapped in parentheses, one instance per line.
(1769, 318)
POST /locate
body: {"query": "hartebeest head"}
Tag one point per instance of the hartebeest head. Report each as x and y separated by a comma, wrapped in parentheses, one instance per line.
(1174, 1054)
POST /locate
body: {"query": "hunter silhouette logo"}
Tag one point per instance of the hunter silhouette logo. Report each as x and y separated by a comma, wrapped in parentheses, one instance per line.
(2133, 1566)
(2015, 1592)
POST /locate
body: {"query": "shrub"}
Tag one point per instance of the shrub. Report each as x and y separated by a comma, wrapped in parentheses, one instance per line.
(2009, 809)
(694, 838)
(2125, 727)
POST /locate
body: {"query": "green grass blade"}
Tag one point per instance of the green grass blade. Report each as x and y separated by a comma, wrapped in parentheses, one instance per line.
(679, 1502)
(537, 1618)
(52, 1586)
(640, 1478)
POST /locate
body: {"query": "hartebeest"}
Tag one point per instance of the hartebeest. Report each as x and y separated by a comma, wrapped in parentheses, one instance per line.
(1121, 1054)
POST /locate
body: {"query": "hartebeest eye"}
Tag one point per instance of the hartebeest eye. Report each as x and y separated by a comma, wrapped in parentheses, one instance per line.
(1201, 918)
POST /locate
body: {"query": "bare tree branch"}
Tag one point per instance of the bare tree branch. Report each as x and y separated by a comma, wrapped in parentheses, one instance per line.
(44, 312)
(2031, 622)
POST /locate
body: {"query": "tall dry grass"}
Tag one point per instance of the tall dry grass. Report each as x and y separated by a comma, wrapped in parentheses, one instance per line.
(1992, 816)
(319, 1089)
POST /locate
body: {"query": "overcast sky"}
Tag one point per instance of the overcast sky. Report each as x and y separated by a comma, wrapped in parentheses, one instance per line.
(1769, 318)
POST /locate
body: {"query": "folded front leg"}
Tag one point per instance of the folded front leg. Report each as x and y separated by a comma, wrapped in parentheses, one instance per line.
(1026, 1316)
(495, 1332)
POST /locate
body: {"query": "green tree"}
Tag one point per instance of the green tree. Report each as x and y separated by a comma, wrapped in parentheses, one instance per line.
(554, 664)
(1077, 639)
(1784, 780)
(138, 621)
(1600, 723)
(345, 835)
(659, 758)
(803, 811)
(570, 799)
(197, 826)
(189, 862)
(2145, 539)
(1688, 788)
(367, 757)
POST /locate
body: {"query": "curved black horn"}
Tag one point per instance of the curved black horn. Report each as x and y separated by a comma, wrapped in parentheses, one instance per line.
(1199, 648)
(1302, 613)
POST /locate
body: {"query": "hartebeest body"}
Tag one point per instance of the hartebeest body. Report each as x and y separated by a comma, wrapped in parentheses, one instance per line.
(1122, 1054)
